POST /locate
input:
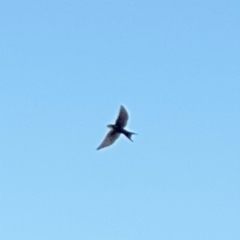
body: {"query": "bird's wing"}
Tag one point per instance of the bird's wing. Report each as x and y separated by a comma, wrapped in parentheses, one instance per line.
(111, 137)
(122, 117)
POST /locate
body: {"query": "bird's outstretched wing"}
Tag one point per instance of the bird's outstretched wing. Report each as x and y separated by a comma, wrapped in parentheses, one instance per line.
(122, 118)
(111, 137)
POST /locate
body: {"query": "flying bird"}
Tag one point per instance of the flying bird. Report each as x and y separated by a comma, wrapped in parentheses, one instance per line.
(116, 129)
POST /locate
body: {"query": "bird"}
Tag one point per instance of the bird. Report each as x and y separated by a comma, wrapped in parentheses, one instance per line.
(117, 129)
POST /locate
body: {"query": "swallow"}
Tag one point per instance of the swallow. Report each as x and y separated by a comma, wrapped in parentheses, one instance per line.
(116, 129)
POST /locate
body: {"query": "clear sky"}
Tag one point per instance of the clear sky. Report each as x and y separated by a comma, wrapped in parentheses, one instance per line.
(67, 66)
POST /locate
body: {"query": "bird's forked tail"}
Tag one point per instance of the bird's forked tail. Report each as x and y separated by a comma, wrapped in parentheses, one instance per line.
(129, 135)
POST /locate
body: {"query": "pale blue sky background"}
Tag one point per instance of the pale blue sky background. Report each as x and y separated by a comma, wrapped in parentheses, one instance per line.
(66, 67)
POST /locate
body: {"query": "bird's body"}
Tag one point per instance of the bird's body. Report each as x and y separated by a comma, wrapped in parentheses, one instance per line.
(117, 129)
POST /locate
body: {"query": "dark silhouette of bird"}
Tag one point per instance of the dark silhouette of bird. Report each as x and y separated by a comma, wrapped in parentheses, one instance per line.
(116, 129)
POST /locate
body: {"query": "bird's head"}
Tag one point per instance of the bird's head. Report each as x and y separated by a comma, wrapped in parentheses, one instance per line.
(110, 126)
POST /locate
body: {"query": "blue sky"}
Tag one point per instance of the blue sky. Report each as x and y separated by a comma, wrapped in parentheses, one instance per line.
(66, 67)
